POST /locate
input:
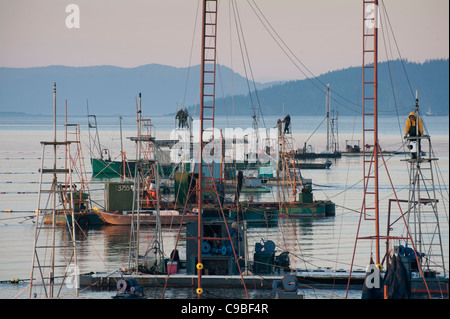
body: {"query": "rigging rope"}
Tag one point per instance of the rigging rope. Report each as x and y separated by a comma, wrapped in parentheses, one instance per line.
(279, 41)
(243, 47)
(398, 50)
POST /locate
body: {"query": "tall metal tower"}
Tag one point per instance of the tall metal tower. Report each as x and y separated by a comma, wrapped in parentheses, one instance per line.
(146, 194)
(54, 262)
(422, 213)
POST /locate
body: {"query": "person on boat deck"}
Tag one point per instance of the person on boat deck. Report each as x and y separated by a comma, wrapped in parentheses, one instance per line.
(287, 124)
(150, 190)
(185, 118)
(180, 117)
(411, 129)
(235, 236)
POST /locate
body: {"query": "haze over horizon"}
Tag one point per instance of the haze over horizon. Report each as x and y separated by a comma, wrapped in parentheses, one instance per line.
(324, 36)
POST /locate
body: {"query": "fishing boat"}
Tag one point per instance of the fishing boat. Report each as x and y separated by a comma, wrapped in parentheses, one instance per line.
(314, 165)
(332, 145)
(352, 147)
(166, 217)
(139, 201)
(101, 162)
(270, 211)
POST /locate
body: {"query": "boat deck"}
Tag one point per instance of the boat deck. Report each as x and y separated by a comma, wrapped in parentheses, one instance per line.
(321, 279)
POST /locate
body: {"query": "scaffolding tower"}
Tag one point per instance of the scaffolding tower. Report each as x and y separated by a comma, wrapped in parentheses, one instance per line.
(54, 262)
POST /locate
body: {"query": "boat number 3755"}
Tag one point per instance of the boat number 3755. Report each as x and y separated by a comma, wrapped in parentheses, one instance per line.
(124, 188)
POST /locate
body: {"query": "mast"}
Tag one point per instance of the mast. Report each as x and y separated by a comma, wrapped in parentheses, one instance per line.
(328, 117)
(55, 183)
(207, 91)
(370, 118)
(121, 149)
(137, 181)
(370, 204)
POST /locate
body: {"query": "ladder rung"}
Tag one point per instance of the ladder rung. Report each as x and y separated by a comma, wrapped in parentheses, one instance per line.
(49, 266)
(57, 210)
(49, 246)
(55, 143)
(58, 191)
(55, 171)
(51, 227)
(40, 284)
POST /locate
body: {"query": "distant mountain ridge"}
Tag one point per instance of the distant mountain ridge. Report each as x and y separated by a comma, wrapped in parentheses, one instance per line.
(112, 90)
(396, 92)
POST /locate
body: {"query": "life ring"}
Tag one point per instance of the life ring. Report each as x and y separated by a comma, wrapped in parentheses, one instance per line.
(199, 266)
(122, 285)
(289, 283)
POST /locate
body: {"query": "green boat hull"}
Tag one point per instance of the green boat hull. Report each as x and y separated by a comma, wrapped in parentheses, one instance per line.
(271, 212)
(100, 166)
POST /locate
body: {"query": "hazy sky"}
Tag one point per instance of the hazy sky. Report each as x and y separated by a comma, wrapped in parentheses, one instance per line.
(324, 35)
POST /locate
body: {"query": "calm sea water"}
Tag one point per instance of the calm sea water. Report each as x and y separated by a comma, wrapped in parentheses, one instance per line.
(313, 243)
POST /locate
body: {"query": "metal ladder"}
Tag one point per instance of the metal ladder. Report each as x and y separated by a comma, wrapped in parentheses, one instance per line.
(207, 95)
(370, 138)
(370, 205)
(73, 137)
(291, 176)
